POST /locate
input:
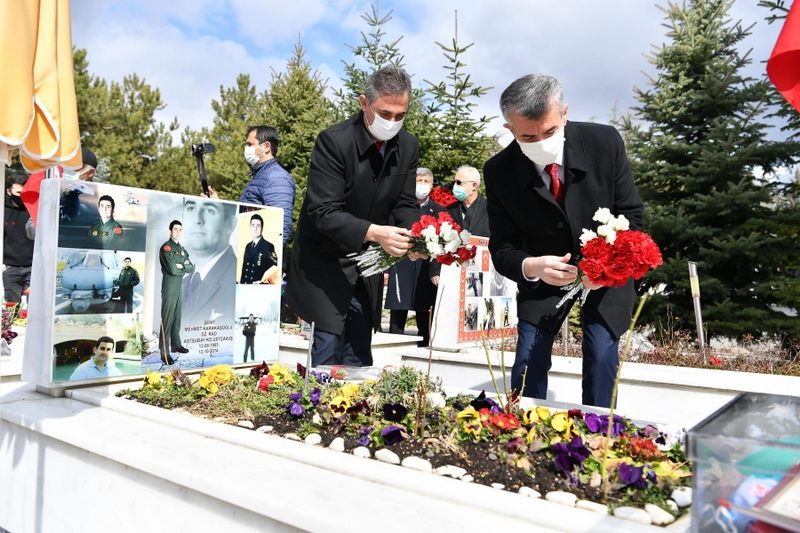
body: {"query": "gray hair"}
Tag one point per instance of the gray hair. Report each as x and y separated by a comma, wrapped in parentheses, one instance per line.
(390, 80)
(532, 96)
(472, 172)
(422, 171)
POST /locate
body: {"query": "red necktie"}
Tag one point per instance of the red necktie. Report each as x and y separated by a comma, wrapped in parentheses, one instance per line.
(556, 188)
(379, 145)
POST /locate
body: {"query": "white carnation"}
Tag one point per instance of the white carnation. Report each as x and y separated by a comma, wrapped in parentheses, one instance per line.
(434, 248)
(603, 215)
(608, 233)
(587, 236)
(452, 245)
(620, 223)
(465, 236)
(445, 228)
(429, 233)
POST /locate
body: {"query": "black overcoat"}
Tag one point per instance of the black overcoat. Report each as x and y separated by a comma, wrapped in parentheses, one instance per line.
(350, 186)
(526, 221)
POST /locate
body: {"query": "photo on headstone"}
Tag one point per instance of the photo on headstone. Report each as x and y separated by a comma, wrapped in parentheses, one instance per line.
(257, 323)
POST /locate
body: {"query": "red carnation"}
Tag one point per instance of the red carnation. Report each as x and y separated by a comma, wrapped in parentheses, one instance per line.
(442, 196)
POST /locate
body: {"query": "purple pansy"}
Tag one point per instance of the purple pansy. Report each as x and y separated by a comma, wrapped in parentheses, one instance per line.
(295, 396)
(631, 476)
(599, 424)
(295, 409)
(363, 435)
(568, 455)
(315, 395)
(392, 435)
(482, 402)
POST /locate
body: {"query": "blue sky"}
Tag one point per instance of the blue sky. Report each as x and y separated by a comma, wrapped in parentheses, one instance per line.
(189, 48)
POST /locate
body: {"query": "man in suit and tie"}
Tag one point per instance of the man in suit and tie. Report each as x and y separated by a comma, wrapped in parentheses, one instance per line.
(209, 293)
(362, 172)
(260, 262)
(542, 190)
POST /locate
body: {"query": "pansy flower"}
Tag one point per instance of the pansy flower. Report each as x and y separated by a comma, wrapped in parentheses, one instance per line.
(339, 404)
(561, 422)
(265, 382)
(567, 456)
(534, 415)
(295, 409)
(363, 435)
(504, 421)
(315, 395)
(260, 370)
(392, 435)
(394, 412)
(482, 402)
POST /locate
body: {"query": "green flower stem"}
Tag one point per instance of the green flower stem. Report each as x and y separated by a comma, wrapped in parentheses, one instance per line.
(625, 352)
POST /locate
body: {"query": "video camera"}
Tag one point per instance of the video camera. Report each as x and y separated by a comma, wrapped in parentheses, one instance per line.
(198, 151)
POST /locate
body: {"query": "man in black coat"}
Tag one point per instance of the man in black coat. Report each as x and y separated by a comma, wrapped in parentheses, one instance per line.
(411, 283)
(542, 190)
(470, 209)
(362, 171)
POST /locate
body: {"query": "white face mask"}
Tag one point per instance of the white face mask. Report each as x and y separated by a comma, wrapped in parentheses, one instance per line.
(545, 151)
(423, 190)
(71, 174)
(250, 155)
(382, 129)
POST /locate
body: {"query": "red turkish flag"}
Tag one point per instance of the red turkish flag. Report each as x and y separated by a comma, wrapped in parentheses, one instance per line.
(783, 67)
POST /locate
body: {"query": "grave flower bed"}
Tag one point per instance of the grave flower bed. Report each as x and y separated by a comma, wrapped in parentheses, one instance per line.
(401, 417)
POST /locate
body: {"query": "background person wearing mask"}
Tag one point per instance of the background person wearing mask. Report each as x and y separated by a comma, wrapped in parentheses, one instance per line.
(17, 242)
(87, 171)
(542, 190)
(410, 284)
(470, 210)
(362, 172)
(271, 185)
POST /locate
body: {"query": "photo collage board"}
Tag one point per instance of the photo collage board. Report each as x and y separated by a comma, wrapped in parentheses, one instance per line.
(149, 280)
(487, 301)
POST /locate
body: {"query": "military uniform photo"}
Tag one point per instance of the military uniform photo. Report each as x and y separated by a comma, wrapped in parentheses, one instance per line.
(175, 264)
(258, 260)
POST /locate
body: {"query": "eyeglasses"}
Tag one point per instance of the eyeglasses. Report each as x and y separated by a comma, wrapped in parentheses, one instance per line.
(461, 182)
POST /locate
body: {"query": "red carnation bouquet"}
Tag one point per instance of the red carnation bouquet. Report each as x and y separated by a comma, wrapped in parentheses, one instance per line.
(440, 238)
(613, 255)
(442, 196)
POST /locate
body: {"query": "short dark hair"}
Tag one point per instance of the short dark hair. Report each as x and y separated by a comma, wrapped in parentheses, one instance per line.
(103, 339)
(391, 80)
(108, 199)
(16, 177)
(127, 259)
(175, 223)
(257, 217)
(266, 134)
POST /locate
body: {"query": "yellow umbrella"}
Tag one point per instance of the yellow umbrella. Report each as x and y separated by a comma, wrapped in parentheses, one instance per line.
(38, 110)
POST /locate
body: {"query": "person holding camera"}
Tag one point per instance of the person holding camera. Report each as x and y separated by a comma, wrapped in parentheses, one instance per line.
(271, 185)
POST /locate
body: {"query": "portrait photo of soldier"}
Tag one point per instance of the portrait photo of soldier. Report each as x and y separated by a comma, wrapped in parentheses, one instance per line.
(108, 232)
(260, 262)
(209, 292)
(175, 264)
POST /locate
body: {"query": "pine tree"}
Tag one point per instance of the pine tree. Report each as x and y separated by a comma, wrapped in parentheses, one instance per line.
(296, 106)
(117, 122)
(459, 138)
(238, 108)
(694, 156)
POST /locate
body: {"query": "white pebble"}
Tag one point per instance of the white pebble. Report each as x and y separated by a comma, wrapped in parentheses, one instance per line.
(452, 471)
(313, 439)
(264, 429)
(316, 419)
(416, 463)
(672, 505)
(337, 444)
(468, 478)
(498, 486)
(292, 436)
(245, 424)
(362, 451)
(529, 492)
(659, 516)
(682, 496)
(594, 507)
(564, 498)
(633, 514)
(387, 456)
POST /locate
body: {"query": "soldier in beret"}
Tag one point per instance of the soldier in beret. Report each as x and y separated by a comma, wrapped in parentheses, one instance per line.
(108, 231)
(175, 264)
(260, 263)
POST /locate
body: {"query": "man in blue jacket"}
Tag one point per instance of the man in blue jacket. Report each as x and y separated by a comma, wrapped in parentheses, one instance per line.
(271, 185)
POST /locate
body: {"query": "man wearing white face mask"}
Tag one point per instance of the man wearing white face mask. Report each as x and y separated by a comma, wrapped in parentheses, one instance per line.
(271, 185)
(542, 190)
(470, 210)
(412, 284)
(362, 172)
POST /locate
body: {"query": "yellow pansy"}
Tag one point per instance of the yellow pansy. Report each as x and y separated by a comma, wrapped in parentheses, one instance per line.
(151, 379)
(467, 416)
(281, 374)
(543, 413)
(339, 404)
(349, 390)
(562, 423)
